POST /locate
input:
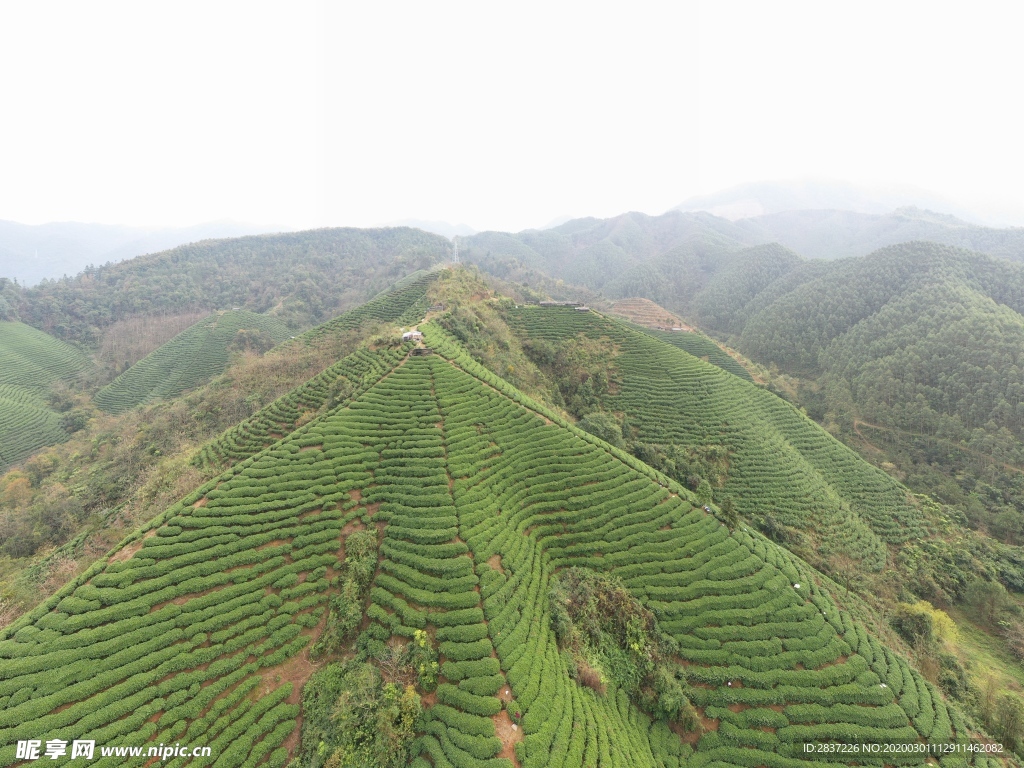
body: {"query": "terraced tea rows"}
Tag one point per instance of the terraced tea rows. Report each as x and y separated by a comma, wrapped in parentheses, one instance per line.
(25, 428)
(190, 359)
(780, 462)
(32, 360)
(769, 658)
(700, 346)
(404, 304)
(340, 383)
(30, 363)
(343, 381)
(192, 630)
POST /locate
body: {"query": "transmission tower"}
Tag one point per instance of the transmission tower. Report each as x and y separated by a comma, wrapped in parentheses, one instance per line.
(455, 250)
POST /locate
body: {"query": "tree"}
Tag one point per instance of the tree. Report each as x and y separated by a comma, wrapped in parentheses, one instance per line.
(375, 721)
(988, 598)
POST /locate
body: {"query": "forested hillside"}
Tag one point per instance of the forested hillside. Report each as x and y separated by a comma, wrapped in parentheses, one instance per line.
(109, 476)
(31, 253)
(669, 258)
(301, 278)
(603, 254)
(916, 349)
(441, 571)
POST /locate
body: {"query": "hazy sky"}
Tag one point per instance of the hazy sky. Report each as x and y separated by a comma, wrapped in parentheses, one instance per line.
(497, 115)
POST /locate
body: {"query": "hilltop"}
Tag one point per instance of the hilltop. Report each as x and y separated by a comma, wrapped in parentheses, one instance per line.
(439, 523)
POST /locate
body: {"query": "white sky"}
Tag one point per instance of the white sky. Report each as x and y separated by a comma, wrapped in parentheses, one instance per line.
(500, 116)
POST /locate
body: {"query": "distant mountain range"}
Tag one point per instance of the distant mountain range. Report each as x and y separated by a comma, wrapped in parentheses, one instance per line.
(31, 253)
(766, 197)
(634, 254)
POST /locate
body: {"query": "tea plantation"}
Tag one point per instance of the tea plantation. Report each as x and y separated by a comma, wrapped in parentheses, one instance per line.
(190, 359)
(780, 463)
(30, 363)
(699, 345)
(199, 628)
(403, 304)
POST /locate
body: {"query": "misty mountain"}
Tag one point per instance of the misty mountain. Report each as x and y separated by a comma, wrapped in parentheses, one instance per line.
(30, 253)
(767, 197)
(833, 234)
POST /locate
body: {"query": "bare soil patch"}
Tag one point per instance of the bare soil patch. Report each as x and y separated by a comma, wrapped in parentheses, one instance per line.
(509, 733)
(126, 552)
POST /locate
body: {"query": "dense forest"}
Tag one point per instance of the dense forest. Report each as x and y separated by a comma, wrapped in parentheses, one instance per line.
(301, 278)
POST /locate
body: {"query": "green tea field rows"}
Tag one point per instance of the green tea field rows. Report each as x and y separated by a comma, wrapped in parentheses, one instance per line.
(190, 359)
(198, 629)
(344, 380)
(31, 362)
(780, 463)
(699, 345)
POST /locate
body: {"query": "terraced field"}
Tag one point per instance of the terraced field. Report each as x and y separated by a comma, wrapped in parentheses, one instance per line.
(403, 305)
(699, 345)
(780, 462)
(30, 363)
(197, 630)
(646, 313)
(190, 359)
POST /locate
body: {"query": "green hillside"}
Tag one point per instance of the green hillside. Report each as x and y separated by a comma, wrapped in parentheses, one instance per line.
(31, 362)
(139, 461)
(449, 509)
(302, 278)
(191, 358)
(622, 256)
(914, 354)
(669, 258)
(699, 345)
(773, 462)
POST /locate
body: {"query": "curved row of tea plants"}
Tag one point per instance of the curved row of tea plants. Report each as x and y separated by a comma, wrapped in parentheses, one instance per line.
(780, 463)
(190, 359)
(187, 632)
(699, 345)
(181, 634)
(31, 362)
(761, 646)
(343, 381)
